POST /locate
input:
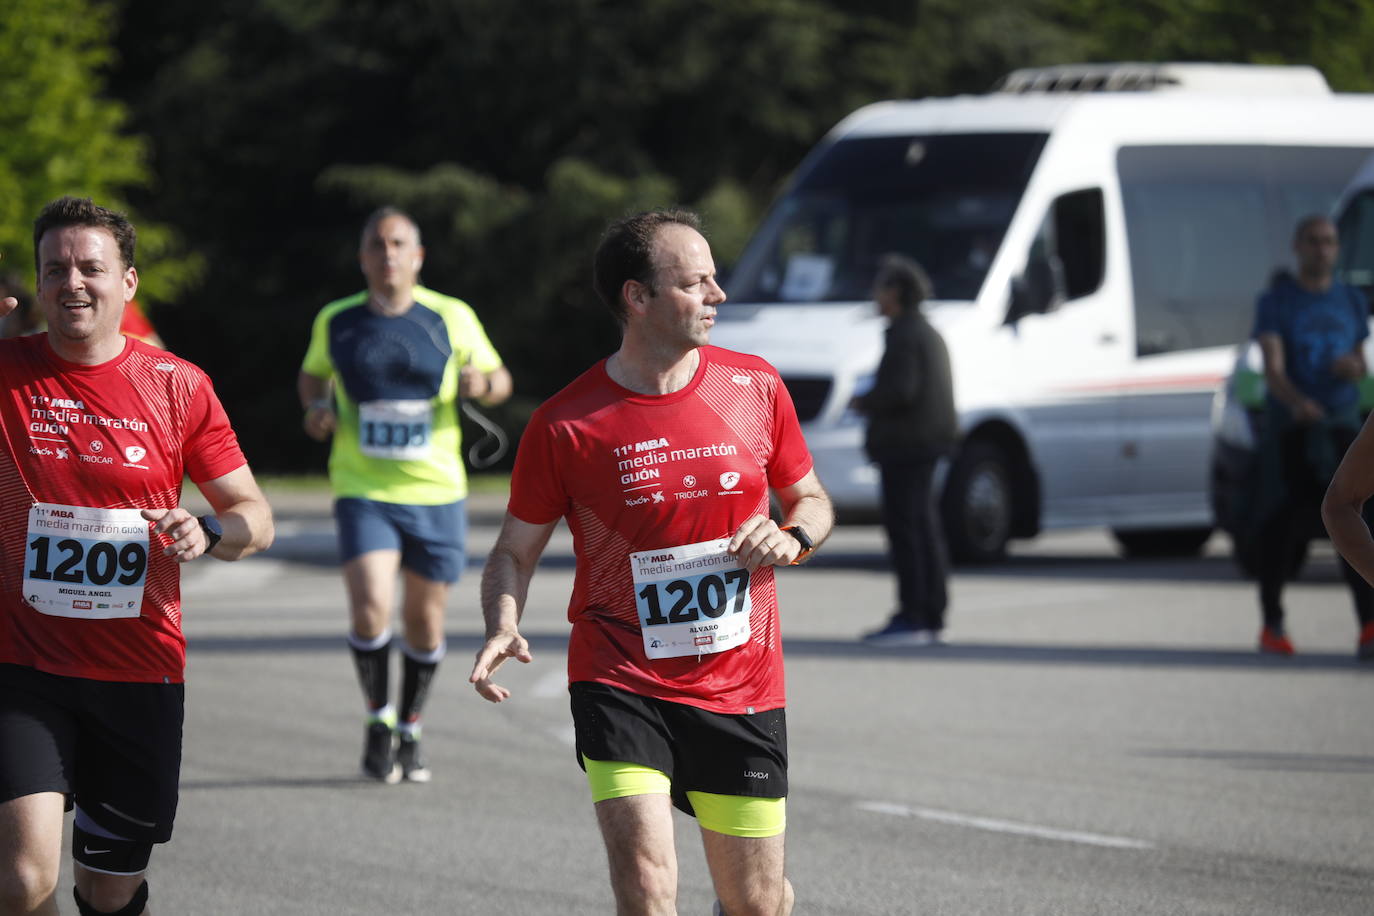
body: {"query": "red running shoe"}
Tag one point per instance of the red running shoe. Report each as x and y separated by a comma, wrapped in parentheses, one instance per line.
(1273, 642)
(1364, 649)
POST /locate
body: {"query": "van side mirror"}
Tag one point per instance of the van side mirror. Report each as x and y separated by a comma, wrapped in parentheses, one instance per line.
(1037, 291)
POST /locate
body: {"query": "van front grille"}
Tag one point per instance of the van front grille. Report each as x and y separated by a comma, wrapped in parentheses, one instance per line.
(808, 394)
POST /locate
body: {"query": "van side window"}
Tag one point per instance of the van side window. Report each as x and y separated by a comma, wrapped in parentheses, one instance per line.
(1357, 243)
(1080, 232)
(1209, 225)
(1066, 255)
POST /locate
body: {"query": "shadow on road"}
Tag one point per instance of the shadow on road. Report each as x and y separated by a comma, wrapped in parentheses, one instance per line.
(278, 782)
(1080, 567)
(803, 647)
(1273, 761)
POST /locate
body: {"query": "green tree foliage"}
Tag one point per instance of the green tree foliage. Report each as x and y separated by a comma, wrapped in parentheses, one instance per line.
(1335, 36)
(59, 135)
(514, 129)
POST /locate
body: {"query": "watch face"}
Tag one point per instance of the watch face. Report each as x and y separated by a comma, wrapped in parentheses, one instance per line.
(212, 523)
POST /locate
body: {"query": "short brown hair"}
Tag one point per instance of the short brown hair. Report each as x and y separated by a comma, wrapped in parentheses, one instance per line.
(376, 216)
(626, 253)
(902, 274)
(82, 211)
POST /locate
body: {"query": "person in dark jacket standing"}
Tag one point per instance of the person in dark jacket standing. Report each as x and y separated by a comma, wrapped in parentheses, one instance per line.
(911, 424)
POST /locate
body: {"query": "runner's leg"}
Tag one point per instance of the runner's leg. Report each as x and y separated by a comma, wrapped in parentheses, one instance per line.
(638, 832)
(423, 618)
(371, 582)
(30, 853)
(748, 874)
(107, 893)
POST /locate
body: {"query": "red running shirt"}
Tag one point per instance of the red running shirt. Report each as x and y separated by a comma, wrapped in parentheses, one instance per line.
(633, 472)
(120, 435)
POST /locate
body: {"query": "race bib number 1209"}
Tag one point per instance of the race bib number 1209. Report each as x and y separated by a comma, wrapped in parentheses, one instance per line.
(692, 600)
(83, 562)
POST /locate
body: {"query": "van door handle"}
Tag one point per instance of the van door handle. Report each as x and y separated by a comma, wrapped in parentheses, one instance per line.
(1107, 338)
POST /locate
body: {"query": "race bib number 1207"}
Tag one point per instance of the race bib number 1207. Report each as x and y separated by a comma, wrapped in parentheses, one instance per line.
(83, 562)
(692, 600)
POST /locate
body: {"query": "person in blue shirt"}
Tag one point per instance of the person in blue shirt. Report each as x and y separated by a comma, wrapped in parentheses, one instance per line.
(1311, 329)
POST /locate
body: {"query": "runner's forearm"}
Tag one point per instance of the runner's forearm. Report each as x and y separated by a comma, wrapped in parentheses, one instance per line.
(505, 586)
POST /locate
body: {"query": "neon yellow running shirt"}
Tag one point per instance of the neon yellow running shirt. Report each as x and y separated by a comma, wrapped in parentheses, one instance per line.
(398, 439)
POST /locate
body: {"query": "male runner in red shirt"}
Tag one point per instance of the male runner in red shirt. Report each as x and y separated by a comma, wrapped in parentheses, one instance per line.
(661, 458)
(97, 431)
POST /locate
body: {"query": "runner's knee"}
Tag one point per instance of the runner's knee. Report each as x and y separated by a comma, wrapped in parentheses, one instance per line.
(757, 899)
(27, 884)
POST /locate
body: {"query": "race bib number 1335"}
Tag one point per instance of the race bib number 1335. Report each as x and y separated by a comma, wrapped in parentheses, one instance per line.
(83, 562)
(692, 599)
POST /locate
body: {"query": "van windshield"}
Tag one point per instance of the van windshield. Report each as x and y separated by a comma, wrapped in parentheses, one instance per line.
(944, 200)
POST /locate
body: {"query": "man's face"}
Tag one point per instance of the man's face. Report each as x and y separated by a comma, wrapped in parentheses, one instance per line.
(83, 284)
(888, 302)
(682, 308)
(391, 255)
(1316, 248)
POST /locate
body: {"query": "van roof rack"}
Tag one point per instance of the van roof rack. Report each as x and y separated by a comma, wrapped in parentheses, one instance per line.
(1141, 77)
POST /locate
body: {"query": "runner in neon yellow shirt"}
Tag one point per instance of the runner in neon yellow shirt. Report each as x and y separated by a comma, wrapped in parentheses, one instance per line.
(383, 375)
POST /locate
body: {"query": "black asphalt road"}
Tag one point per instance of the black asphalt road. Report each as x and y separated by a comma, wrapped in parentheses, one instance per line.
(1098, 737)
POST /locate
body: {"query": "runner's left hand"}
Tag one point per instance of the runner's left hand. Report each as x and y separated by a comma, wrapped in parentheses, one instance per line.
(182, 529)
(760, 542)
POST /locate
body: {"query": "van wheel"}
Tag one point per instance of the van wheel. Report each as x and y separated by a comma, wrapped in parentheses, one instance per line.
(977, 504)
(1162, 542)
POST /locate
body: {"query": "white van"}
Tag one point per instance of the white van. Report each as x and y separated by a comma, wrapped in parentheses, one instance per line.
(1096, 237)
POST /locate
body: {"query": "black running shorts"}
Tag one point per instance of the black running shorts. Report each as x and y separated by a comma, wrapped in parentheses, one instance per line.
(700, 751)
(113, 748)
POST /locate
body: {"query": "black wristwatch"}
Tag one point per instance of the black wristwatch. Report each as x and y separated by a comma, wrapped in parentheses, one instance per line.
(213, 531)
(808, 546)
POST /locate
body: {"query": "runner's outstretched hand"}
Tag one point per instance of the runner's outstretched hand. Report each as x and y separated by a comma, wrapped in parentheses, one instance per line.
(7, 305)
(491, 656)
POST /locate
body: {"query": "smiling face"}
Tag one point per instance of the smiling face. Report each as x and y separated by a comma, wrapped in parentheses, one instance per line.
(83, 287)
(679, 310)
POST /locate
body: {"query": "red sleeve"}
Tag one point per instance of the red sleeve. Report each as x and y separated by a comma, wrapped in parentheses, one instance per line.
(537, 494)
(791, 459)
(135, 322)
(211, 449)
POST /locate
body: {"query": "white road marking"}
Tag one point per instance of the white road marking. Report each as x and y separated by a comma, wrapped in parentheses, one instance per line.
(1001, 826)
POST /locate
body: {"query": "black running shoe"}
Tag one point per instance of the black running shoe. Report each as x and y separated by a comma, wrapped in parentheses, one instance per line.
(413, 766)
(379, 762)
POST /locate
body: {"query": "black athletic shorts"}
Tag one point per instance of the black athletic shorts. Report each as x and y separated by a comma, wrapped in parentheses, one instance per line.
(700, 751)
(113, 748)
